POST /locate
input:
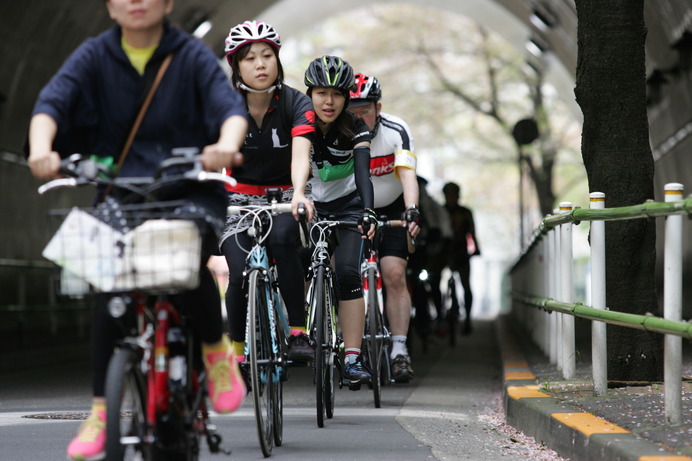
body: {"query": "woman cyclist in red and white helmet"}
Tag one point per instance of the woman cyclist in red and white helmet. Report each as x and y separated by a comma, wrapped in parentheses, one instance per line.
(276, 154)
(341, 187)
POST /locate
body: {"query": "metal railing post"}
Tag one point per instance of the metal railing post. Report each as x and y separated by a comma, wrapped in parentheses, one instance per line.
(558, 290)
(566, 295)
(672, 308)
(554, 317)
(599, 344)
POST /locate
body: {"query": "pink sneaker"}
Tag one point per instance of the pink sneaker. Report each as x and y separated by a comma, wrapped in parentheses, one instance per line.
(225, 384)
(90, 443)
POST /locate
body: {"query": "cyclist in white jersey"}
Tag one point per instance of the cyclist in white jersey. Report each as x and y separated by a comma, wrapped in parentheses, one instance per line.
(393, 173)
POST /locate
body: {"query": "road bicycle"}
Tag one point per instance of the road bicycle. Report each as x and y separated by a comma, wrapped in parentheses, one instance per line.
(140, 255)
(377, 339)
(267, 326)
(321, 318)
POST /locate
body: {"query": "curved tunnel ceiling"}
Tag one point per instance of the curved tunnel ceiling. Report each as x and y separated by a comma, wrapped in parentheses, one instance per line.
(37, 35)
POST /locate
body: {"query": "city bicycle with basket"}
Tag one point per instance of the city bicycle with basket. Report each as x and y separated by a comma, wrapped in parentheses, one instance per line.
(141, 255)
(267, 326)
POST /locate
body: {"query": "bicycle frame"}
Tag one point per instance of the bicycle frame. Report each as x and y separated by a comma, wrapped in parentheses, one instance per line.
(321, 320)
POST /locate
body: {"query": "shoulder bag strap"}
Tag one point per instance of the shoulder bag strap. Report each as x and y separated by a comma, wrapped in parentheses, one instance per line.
(142, 111)
(138, 120)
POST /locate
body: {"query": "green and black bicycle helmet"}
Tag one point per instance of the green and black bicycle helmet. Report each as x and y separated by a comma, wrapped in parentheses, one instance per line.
(330, 72)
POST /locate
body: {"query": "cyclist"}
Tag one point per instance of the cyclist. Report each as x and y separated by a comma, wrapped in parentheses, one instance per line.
(276, 154)
(88, 107)
(464, 245)
(341, 187)
(393, 171)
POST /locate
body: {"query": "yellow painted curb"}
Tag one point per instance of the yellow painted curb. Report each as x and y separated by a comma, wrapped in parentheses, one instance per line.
(520, 392)
(519, 375)
(665, 458)
(588, 424)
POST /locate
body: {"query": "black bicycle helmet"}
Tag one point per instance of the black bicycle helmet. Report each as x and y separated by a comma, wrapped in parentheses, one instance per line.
(330, 72)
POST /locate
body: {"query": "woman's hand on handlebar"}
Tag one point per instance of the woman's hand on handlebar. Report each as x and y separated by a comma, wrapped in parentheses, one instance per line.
(370, 221)
(215, 157)
(307, 207)
(44, 165)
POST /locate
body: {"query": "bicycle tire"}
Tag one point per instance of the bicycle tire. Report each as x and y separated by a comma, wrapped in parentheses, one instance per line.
(320, 364)
(330, 328)
(260, 361)
(375, 336)
(126, 419)
(279, 373)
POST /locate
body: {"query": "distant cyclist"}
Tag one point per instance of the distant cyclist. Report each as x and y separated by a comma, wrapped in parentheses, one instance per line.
(276, 154)
(393, 171)
(341, 188)
(464, 244)
(89, 107)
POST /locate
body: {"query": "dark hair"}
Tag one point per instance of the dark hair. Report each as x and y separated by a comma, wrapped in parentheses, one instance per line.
(451, 187)
(345, 123)
(240, 55)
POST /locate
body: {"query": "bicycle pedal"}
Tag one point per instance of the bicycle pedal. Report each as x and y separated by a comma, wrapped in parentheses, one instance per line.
(353, 386)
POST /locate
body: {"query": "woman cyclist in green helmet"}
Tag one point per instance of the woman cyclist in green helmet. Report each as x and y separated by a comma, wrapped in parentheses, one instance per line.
(341, 187)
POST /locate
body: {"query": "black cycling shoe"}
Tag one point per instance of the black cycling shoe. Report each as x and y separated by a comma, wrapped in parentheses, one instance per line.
(299, 348)
(355, 373)
(401, 369)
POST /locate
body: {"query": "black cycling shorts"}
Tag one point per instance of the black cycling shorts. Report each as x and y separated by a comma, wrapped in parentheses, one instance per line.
(393, 241)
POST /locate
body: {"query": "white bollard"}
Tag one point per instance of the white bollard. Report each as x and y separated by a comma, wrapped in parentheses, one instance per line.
(599, 344)
(672, 308)
(566, 295)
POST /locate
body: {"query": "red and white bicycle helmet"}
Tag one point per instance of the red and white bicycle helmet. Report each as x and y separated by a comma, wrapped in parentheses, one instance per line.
(367, 89)
(250, 32)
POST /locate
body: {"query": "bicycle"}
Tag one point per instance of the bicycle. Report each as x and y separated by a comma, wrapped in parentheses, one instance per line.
(377, 338)
(267, 326)
(321, 318)
(156, 382)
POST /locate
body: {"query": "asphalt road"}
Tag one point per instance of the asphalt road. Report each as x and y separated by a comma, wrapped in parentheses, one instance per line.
(445, 413)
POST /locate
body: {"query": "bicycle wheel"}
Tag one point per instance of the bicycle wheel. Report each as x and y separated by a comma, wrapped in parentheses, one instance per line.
(126, 419)
(260, 351)
(330, 328)
(279, 375)
(374, 336)
(321, 364)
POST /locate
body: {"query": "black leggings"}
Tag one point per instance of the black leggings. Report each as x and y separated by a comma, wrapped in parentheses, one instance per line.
(203, 311)
(347, 257)
(282, 244)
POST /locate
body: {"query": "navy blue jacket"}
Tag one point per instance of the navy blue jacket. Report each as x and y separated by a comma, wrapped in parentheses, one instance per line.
(97, 93)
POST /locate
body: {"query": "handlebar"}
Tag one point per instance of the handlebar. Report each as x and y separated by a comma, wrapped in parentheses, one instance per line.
(81, 171)
(274, 207)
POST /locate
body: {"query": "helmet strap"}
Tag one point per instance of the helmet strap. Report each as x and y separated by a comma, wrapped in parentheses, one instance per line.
(243, 86)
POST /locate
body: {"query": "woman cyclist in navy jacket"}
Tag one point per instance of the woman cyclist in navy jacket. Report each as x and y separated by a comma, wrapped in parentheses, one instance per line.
(341, 187)
(88, 107)
(276, 154)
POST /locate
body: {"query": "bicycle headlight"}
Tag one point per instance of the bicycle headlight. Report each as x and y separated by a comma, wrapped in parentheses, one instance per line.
(117, 307)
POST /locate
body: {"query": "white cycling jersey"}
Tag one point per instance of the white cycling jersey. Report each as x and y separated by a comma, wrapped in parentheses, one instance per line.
(391, 147)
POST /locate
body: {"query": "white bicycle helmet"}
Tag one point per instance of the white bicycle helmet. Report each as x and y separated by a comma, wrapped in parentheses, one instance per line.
(250, 32)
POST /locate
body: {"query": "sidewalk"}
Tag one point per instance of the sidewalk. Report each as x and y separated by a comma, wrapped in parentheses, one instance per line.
(626, 425)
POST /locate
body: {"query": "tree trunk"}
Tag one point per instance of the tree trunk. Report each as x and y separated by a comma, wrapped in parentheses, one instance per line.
(611, 91)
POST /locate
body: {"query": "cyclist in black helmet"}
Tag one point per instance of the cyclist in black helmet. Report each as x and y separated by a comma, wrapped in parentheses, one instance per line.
(341, 186)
